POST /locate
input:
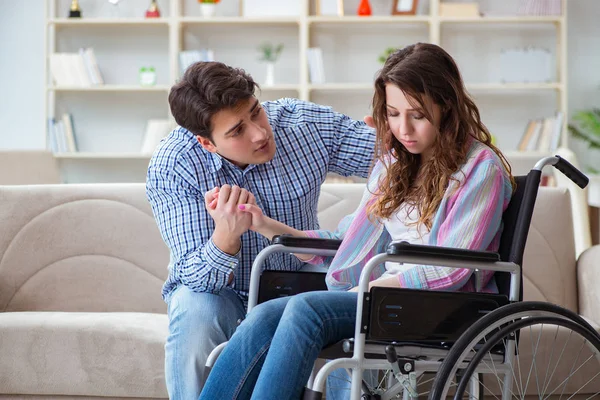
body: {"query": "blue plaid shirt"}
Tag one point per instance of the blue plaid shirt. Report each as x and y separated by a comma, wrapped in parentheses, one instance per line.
(311, 140)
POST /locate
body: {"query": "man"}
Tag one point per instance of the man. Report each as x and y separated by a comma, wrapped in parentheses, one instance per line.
(229, 150)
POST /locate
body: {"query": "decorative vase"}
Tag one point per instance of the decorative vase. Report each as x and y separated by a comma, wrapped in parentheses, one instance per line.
(270, 78)
(153, 11)
(208, 9)
(364, 8)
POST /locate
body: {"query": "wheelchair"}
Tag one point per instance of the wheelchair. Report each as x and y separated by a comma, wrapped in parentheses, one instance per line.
(450, 344)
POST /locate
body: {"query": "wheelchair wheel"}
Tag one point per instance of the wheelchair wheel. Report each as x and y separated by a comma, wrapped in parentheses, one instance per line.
(527, 348)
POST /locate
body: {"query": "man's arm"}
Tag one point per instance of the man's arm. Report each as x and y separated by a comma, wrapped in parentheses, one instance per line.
(350, 145)
(186, 227)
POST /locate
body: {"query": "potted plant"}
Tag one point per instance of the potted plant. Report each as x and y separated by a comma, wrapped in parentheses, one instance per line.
(387, 52)
(269, 53)
(585, 126)
(208, 7)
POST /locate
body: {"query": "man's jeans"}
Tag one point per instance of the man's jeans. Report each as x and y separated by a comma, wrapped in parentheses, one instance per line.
(198, 322)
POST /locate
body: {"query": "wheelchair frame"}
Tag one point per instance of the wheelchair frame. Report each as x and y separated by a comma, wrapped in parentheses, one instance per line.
(420, 255)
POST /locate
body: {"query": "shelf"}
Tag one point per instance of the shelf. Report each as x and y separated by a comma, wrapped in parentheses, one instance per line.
(514, 86)
(281, 87)
(102, 156)
(239, 21)
(343, 87)
(108, 21)
(526, 155)
(110, 88)
(503, 19)
(368, 20)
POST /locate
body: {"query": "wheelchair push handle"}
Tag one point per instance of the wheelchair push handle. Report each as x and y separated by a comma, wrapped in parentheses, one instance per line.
(571, 172)
(565, 167)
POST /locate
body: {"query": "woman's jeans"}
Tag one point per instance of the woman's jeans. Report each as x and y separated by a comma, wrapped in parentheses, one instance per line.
(271, 354)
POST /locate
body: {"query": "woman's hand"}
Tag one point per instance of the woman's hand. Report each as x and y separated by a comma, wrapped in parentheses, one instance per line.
(260, 222)
(391, 282)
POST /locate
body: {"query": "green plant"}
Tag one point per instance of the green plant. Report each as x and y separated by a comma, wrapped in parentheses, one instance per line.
(585, 126)
(384, 56)
(270, 52)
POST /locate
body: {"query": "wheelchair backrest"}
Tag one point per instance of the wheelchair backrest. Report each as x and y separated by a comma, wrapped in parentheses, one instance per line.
(509, 219)
(543, 239)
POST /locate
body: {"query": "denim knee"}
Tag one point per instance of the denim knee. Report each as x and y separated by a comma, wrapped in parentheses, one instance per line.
(207, 315)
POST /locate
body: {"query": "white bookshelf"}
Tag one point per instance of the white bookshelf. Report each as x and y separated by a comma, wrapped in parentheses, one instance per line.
(109, 119)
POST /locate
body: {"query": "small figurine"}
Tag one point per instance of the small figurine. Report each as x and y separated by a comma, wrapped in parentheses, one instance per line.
(74, 11)
(153, 11)
(147, 76)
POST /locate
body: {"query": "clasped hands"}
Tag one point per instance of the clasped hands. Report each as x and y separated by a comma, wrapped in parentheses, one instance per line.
(234, 210)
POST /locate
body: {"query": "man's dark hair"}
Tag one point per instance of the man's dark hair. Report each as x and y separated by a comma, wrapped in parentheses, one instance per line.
(205, 89)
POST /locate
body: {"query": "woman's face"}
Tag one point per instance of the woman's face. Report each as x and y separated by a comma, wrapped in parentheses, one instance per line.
(409, 126)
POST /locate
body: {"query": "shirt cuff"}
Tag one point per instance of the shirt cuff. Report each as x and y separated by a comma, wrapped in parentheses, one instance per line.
(219, 259)
(315, 260)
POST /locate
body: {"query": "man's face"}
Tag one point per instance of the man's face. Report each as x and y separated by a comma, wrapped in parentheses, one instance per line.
(242, 134)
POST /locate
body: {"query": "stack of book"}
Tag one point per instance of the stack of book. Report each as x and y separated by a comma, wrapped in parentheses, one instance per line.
(316, 70)
(539, 7)
(61, 134)
(188, 57)
(75, 69)
(542, 134)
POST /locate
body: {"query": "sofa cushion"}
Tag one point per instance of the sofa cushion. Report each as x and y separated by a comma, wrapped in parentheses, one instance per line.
(91, 248)
(549, 264)
(83, 354)
(337, 200)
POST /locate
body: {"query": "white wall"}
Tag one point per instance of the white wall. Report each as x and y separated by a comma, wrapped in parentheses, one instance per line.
(584, 65)
(22, 73)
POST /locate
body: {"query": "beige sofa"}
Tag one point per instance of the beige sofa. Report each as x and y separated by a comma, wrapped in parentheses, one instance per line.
(81, 268)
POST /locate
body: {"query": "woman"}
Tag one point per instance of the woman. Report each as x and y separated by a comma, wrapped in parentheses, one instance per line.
(437, 180)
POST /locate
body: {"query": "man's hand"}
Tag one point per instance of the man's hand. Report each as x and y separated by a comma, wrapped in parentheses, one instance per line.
(369, 121)
(230, 222)
(390, 138)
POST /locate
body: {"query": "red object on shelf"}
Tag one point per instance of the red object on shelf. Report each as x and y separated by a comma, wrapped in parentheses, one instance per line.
(364, 8)
(153, 11)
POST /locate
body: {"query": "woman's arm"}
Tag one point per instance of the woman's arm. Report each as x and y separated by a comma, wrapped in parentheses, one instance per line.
(472, 221)
(268, 227)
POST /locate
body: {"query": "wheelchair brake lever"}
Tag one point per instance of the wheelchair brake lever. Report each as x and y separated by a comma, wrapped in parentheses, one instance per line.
(406, 377)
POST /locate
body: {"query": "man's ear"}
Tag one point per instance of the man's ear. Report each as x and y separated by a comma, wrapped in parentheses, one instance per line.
(207, 144)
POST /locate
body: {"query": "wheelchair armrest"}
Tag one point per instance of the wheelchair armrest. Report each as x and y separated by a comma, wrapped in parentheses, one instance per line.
(288, 244)
(443, 253)
(306, 242)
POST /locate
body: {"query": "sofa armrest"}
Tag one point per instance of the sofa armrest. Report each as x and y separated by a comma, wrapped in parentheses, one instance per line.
(588, 281)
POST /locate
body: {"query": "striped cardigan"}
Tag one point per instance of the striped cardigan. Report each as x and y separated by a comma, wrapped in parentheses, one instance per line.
(469, 217)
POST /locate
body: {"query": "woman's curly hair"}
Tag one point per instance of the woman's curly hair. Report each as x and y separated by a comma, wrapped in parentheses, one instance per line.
(426, 74)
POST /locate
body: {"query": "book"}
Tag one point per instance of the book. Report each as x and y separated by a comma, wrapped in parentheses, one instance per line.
(527, 134)
(67, 120)
(156, 129)
(316, 69)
